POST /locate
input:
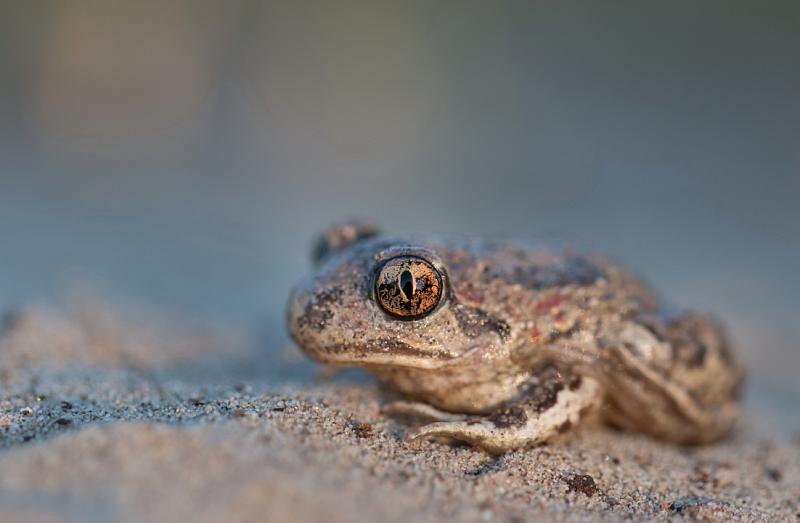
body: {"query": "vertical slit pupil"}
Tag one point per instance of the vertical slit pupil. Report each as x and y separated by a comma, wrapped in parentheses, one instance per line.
(407, 284)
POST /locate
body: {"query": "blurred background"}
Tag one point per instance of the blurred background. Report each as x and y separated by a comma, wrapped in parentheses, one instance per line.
(182, 155)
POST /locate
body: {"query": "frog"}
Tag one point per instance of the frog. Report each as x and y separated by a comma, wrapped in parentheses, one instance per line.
(503, 345)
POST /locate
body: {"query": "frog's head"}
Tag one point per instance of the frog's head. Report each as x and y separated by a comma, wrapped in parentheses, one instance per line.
(378, 301)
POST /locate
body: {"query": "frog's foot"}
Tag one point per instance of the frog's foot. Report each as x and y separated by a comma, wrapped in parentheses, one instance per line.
(547, 411)
(419, 410)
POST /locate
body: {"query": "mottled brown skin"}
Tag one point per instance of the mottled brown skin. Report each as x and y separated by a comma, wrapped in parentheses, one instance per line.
(522, 346)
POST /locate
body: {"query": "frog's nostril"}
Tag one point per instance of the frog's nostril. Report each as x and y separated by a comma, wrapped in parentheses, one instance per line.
(407, 284)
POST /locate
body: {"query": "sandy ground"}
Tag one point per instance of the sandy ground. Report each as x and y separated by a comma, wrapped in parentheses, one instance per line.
(103, 419)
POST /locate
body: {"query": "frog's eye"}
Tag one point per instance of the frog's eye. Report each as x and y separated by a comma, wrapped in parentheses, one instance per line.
(408, 287)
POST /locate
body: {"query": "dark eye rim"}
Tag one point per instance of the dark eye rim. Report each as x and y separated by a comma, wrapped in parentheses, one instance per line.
(428, 258)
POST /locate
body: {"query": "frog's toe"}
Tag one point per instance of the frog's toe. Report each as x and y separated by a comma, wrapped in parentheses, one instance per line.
(478, 433)
(419, 410)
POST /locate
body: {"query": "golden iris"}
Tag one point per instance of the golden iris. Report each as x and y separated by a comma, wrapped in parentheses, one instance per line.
(408, 287)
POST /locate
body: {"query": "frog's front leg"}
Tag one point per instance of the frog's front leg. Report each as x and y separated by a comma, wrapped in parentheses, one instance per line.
(547, 408)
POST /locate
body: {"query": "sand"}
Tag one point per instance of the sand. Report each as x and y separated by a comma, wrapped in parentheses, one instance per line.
(104, 418)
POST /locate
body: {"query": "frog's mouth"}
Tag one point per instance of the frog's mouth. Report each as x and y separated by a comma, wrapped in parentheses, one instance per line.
(391, 353)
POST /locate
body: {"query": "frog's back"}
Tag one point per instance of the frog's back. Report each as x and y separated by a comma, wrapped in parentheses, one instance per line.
(543, 292)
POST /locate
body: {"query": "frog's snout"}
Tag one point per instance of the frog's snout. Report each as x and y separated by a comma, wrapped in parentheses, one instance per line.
(295, 311)
(310, 313)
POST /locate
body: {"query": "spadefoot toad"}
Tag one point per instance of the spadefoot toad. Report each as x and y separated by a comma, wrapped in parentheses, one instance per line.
(505, 347)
